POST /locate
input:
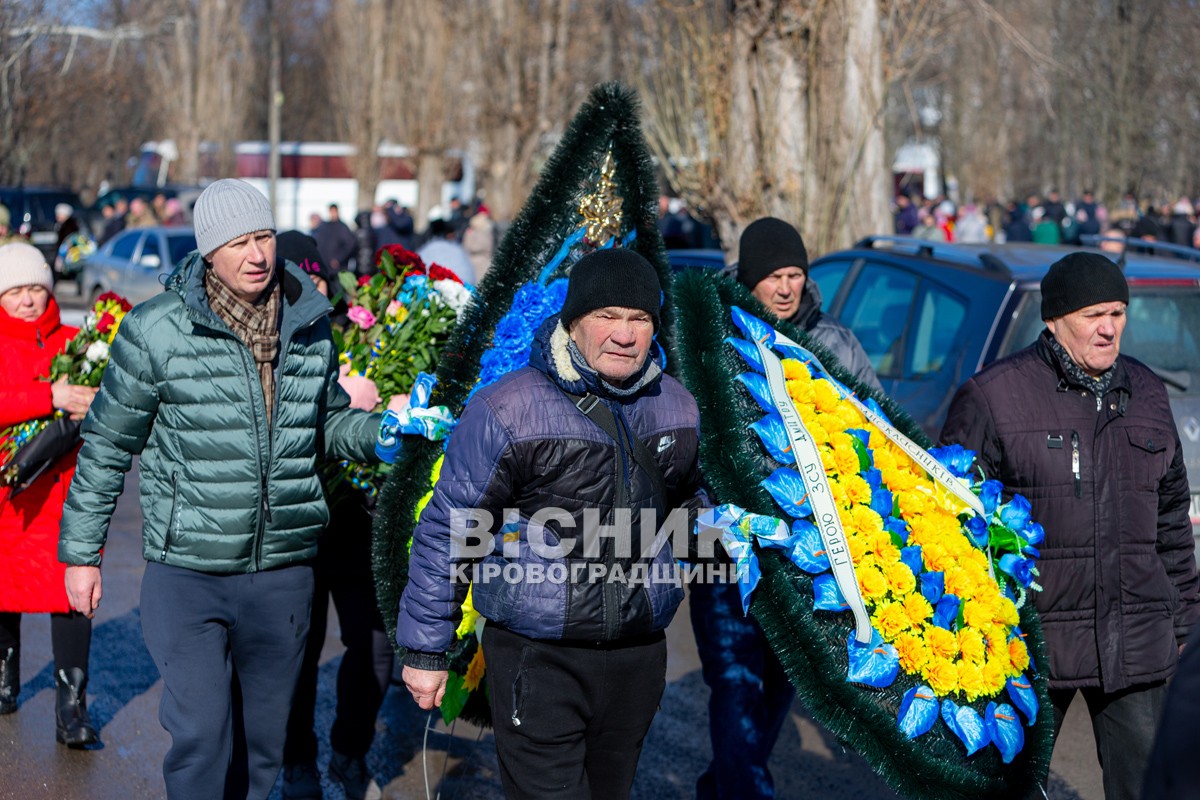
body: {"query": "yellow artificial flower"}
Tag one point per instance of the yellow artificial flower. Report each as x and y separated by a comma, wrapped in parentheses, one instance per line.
(899, 578)
(856, 490)
(793, 370)
(475, 671)
(971, 645)
(801, 393)
(997, 643)
(942, 643)
(918, 609)
(872, 584)
(1018, 653)
(914, 655)
(971, 680)
(850, 416)
(865, 521)
(433, 479)
(942, 676)
(825, 397)
(858, 547)
(995, 674)
(469, 616)
(1006, 611)
(890, 620)
(978, 613)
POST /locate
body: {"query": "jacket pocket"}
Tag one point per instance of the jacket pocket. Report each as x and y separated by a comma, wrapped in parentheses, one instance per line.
(173, 519)
(1147, 457)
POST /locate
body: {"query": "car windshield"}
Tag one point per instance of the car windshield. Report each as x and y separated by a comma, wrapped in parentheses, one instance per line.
(1163, 332)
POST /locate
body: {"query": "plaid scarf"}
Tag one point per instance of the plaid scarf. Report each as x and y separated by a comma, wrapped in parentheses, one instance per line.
(255, 324)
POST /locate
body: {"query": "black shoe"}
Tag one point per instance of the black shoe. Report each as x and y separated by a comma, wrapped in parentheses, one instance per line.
(10, 680)
(302, 781)
(351, 772)
(74, 727)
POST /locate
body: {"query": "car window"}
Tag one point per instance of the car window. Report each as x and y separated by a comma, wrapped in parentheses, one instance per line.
(877, 310)
(180, 246)
(151, 248)
(41, 206)
(1162, 331)
(124, 245)
(829, 276)
(935, 330)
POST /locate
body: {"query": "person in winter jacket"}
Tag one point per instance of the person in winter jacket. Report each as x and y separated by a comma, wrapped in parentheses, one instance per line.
(31, 578)
(591, 433)
(226, 385)
(1088, 437)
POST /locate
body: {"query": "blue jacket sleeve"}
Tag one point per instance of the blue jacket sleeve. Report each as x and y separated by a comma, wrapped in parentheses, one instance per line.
(476, 478)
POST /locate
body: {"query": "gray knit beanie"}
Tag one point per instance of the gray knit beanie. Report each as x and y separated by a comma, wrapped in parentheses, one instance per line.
(227, 209)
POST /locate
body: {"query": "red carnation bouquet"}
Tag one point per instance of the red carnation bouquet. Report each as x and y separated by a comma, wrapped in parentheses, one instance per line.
(28, 449)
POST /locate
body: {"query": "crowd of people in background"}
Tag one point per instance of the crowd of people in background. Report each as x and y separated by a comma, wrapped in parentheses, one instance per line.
(1048, 220)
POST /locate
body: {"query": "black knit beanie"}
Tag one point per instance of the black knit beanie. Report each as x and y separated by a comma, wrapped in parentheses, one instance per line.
(1080, 280)
(612, 277)
(301, 250)
(766, 245)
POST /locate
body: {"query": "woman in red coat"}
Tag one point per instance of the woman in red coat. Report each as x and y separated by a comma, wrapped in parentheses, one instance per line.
(31, 577)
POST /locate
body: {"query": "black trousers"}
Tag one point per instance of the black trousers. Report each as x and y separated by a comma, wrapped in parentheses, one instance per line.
(342, 570)
(228, 648)
(570, 718)
(70, 637)
(1124, 724)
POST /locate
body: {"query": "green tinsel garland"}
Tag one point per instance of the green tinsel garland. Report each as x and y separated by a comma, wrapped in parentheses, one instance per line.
(814, 655)
(609, 119)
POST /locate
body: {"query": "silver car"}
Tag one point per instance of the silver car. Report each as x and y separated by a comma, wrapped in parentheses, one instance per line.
(136, 262)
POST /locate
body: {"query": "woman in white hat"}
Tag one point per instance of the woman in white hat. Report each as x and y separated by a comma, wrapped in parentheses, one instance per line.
(31, 577)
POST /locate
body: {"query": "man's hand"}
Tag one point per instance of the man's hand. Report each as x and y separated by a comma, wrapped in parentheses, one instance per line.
(398, 403)
(75, 400)
(83, 589)
(363, 393)
(427, 686)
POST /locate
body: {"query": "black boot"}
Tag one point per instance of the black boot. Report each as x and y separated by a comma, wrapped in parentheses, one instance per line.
(10, 680)
(74, 725)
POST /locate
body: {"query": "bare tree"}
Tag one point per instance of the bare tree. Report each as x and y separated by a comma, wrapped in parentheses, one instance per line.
(770, 107)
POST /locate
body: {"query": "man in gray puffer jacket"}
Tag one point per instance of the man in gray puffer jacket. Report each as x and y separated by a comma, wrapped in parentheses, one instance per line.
(226, 384)
(577, 445)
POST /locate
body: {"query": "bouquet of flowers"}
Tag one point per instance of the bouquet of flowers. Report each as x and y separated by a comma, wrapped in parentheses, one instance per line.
(28, 449)
(398, 322)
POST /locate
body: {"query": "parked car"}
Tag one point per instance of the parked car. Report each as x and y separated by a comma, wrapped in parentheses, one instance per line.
(135, 263)
(32, 211)
(930, 315)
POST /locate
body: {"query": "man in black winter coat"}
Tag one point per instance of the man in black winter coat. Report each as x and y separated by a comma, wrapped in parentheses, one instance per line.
(1087, 435)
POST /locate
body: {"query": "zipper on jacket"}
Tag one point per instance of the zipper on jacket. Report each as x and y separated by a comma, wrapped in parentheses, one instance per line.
(1075, 463)
(171, 523)
(621, 500)
(38, 334)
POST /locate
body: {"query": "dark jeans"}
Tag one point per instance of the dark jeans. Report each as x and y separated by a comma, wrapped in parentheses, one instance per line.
(228, 648)
(70, 637)
(569, 718)
(1124, 724)
(343, 570)
(750, 695)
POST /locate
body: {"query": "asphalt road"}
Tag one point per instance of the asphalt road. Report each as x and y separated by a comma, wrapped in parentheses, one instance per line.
(457, 765)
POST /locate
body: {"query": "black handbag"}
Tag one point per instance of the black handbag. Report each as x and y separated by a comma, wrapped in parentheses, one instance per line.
(37, 455)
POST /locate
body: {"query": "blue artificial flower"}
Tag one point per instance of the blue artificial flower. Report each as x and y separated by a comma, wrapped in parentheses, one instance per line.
(1021, 692)
(966, 724)
(911, 557)
(1004, 729)
(826, 594)
(933, 585)
(945, 612)
(1021, 569)
(747, 351)
(881, 502)
(896, 527)
(876, 409)
(977, 531)
(752, 327)
(875, 663)
(757, 386)
(774, 436)
(512, 333)
(918, 711)
(874, 479)
(1015, 514)
(807, 549)
(556, 295)
(989, 494)
(955, 458)
(1034, 533)
(860, 434)
(787, 488)
(531, 302)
